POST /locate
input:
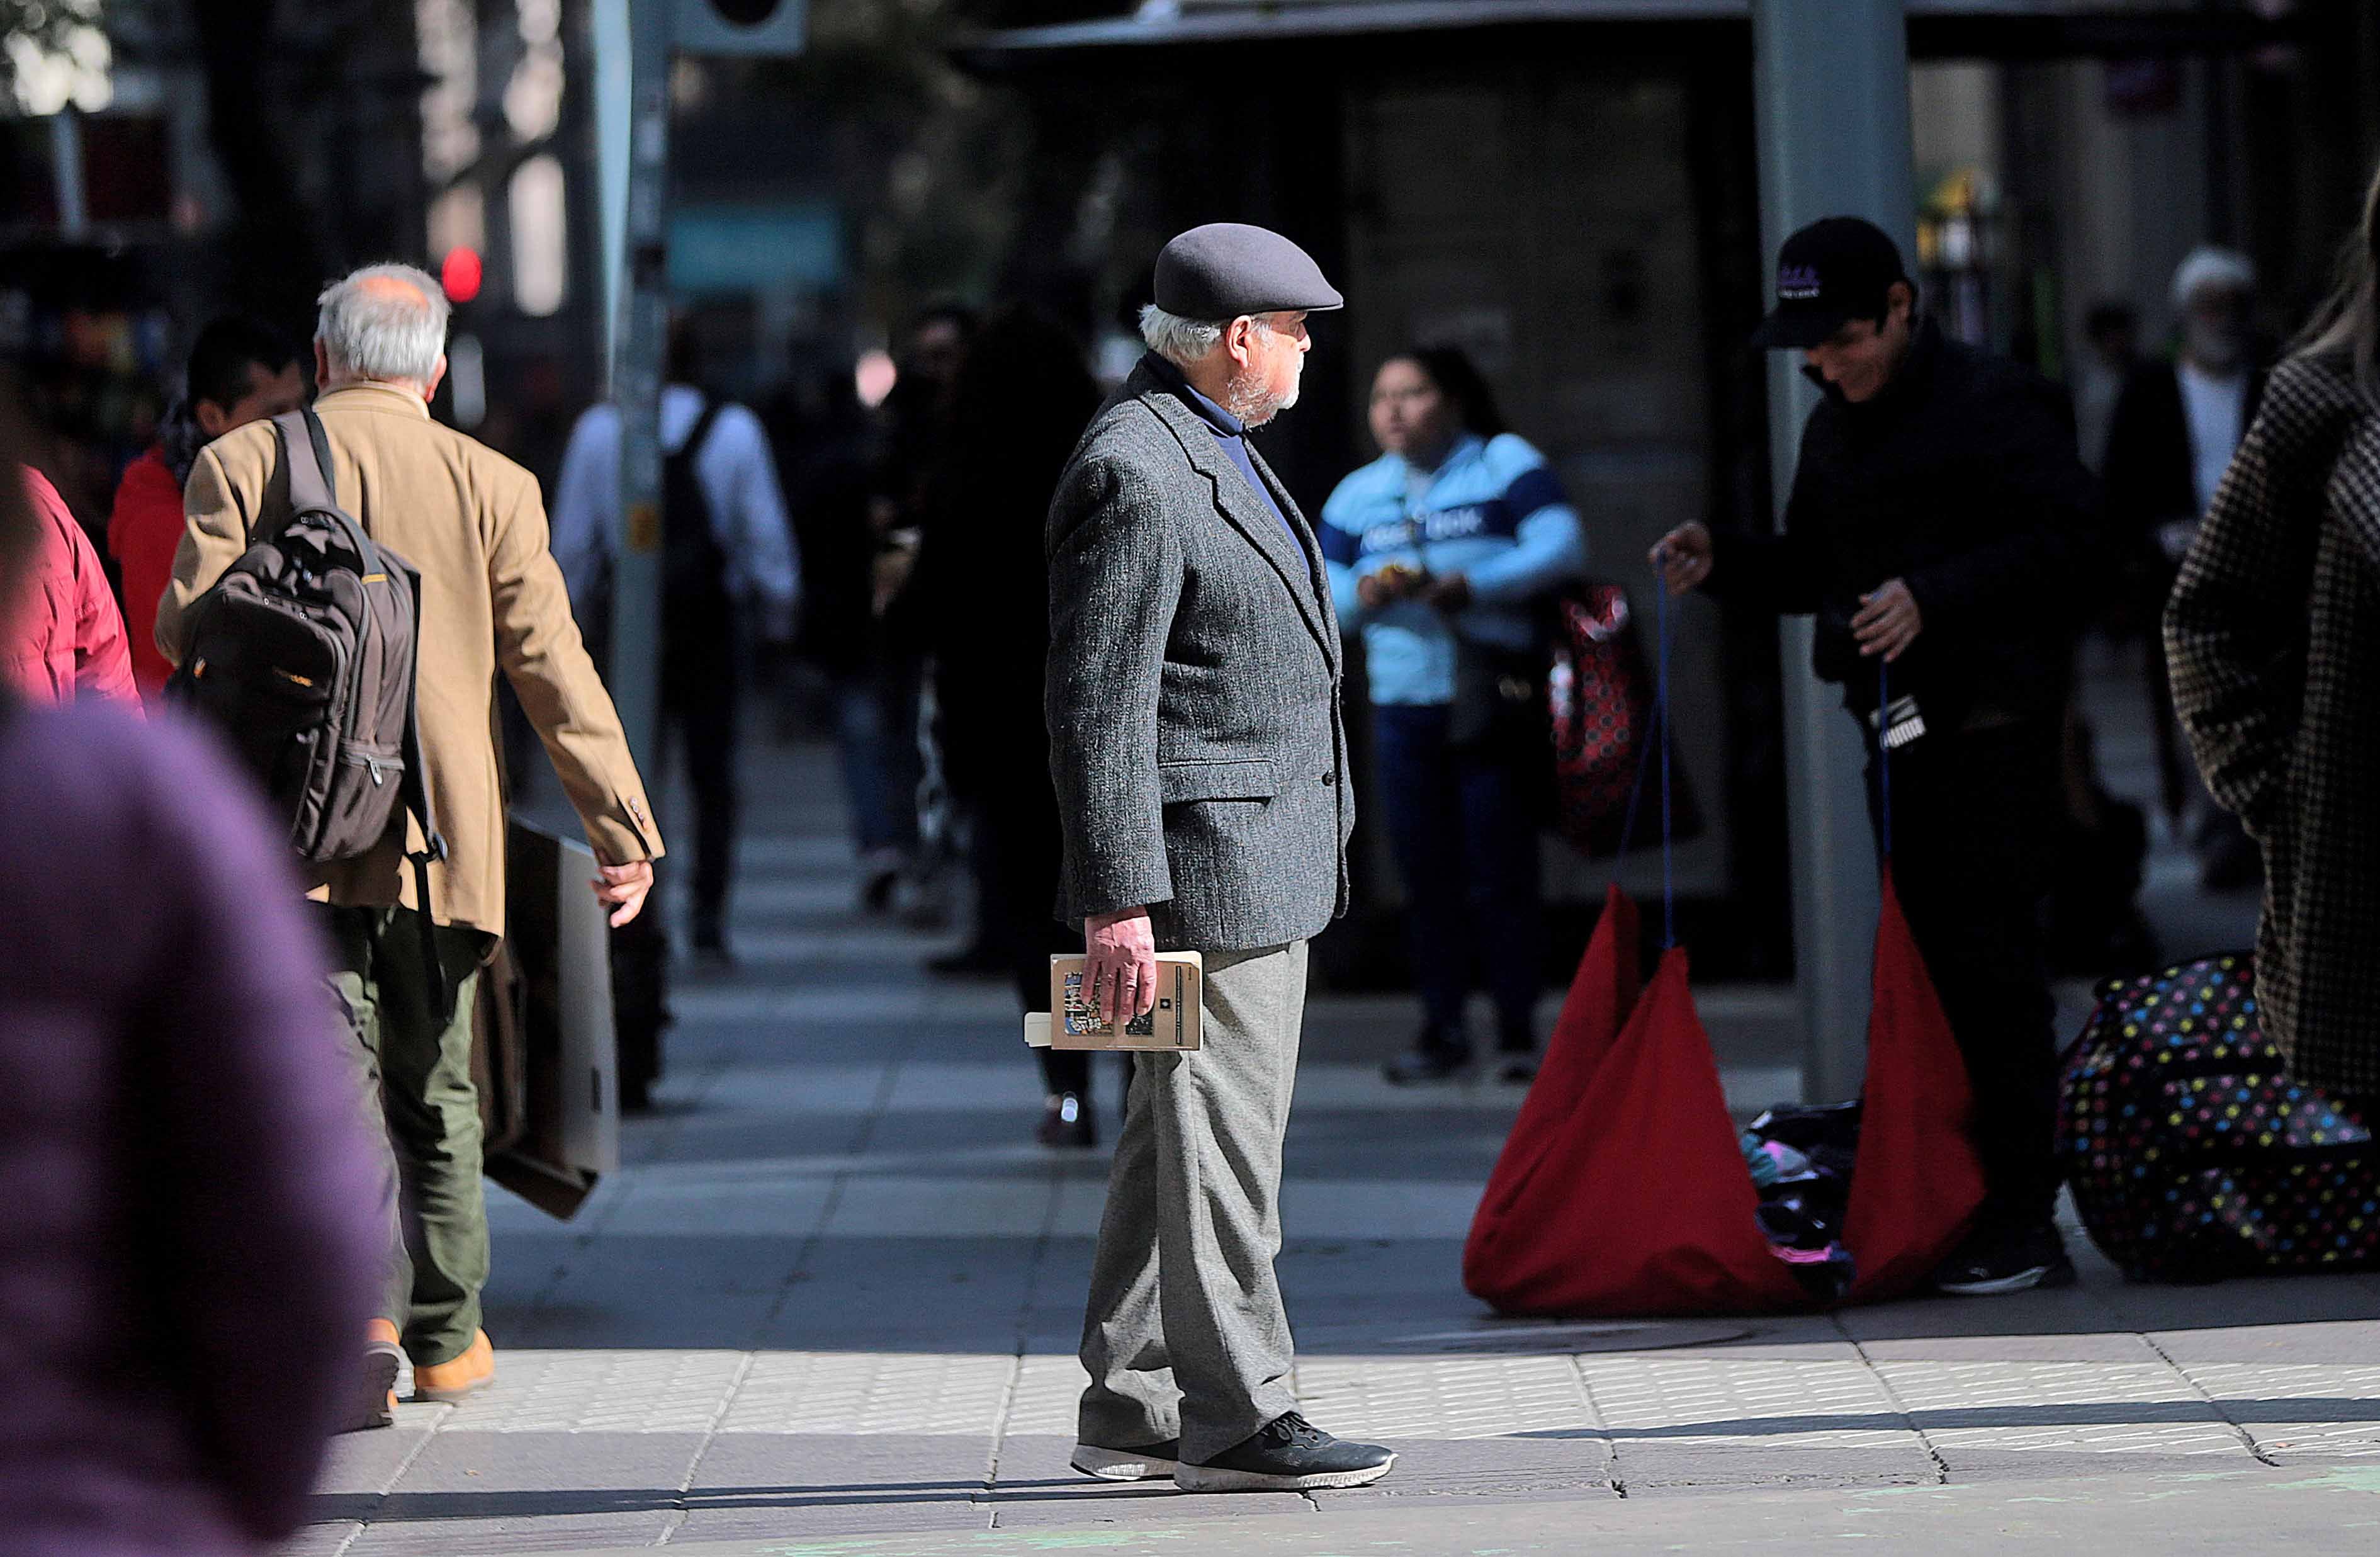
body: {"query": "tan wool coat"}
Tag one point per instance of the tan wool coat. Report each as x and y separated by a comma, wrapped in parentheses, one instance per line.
(472, 522)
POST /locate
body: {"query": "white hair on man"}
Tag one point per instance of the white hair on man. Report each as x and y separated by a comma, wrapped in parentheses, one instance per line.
(1186, 341)
(385, 321)
(2225, 270)
(1180, 341)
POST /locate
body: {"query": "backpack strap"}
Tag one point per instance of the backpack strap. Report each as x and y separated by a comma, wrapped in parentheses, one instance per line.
(701, 433)
(306, 449)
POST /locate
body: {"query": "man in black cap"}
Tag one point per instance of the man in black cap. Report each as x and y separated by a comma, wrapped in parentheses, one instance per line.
(1939, 529)
(1201, 769)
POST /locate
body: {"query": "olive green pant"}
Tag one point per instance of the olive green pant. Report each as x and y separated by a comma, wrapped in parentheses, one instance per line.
(413, 1069)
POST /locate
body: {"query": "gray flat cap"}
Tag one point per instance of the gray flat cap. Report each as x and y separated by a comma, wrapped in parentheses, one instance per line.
(1226, 269)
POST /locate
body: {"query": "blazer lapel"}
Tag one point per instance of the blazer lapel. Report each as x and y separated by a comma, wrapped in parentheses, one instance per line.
(1238, 503)
(1316, 580)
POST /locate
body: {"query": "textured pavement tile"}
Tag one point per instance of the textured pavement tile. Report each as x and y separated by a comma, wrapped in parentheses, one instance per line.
(327, 1540)
(1442, 1398)
(762, 1484)
(367, 1463)
(1482, 1468)
(605, 1314)
(1968, 1410)
(1693, 1422)
(939, 1206)
(2297, 1411)
(864, 1393)
(601, 1391)
(532, 1492)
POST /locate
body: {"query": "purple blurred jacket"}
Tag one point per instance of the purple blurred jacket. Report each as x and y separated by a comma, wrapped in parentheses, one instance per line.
(188, 1225)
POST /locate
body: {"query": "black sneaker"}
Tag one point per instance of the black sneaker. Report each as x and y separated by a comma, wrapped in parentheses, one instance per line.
(1288, 1454)
(1433, 1058)
(1127, 1464)
(1996, 1262)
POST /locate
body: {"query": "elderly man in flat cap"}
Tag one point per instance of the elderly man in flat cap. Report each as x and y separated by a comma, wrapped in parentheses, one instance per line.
(1201, 768)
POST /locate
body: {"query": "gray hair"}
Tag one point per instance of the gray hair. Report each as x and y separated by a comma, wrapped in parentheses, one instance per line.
(379, 332)
(1180, 341)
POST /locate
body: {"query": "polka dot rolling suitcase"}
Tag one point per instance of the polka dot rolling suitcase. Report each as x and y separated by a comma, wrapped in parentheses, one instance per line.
(2191, 1155)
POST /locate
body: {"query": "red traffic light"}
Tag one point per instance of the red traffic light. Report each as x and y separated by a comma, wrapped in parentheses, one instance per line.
(460, 274)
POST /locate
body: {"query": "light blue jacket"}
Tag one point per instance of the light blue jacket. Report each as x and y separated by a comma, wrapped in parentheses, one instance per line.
(1493, 512)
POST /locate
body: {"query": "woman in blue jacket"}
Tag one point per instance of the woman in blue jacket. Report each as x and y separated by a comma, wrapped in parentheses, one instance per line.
(1442, 553)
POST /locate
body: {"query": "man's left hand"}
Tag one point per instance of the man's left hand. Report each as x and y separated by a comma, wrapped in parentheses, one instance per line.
(622, 889)
(1888, 621)
(1449, 592)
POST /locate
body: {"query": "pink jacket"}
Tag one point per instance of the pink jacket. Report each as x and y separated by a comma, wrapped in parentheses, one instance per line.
(64, 638)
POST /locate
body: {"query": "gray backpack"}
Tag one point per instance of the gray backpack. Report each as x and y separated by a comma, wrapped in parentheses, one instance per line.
(303, 655)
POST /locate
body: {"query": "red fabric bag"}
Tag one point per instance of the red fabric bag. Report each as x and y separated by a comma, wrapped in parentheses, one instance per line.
(1621, 1188)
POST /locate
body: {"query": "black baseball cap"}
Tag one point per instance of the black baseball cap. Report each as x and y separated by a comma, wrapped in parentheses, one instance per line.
(1830, 272)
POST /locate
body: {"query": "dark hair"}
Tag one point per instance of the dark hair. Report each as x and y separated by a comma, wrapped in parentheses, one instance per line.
(684, 363)
(225, 350)
(2107, 316)
(2348, 323)
(1451, 368)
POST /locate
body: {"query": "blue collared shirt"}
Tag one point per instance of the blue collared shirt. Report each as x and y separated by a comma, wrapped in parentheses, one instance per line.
(1230, 433)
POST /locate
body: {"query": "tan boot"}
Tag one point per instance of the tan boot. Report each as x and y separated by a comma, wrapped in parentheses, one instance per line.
(376, 1401)
(450, 1381)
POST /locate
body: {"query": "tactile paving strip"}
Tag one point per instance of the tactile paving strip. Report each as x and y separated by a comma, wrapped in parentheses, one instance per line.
(1443, 1397)
(1815, 1404)
(871, 1392)
(601, 1391)
(2340, 1405)
(2076, 1407)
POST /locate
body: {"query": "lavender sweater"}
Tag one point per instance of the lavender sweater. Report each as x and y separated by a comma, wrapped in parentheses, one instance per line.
(187, 1229)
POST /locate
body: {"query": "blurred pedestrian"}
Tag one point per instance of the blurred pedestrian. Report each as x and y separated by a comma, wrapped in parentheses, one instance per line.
(2110, 354)
(1201, 768)
(2273, 633)
(821, 437)
(1941, 524)
(983, 588)
(917, 414)
(2175, 431)
(190, 1226)
(240, 372)
(1443, 553)
(492, 599)
(65, 640)
(727, 560)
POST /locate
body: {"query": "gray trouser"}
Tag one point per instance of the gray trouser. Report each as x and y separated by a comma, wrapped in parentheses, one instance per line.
(1184, 1335)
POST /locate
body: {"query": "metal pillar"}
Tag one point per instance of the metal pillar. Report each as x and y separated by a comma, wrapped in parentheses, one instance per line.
(1831, 88)
(632, 47)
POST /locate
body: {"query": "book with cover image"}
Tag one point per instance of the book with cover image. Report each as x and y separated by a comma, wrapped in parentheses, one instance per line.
(1072, 1022)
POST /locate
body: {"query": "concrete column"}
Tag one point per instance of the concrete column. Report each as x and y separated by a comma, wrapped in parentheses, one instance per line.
(1831, 89)
(632, 82)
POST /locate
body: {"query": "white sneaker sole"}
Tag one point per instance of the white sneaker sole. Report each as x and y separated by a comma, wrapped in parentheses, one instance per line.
(1118, 1465)
(2023, 1281)
(1214, 1478)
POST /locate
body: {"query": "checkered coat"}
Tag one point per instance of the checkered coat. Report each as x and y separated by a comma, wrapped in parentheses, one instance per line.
(2273, 637)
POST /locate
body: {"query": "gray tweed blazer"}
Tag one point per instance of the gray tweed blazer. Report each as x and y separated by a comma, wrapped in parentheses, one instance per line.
(2273, 637)
(1193, 689)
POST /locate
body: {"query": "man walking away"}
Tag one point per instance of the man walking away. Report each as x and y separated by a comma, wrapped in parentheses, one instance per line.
(492, 599)
(1941, 524)
(240, 372)
(1201, 769)
(2175, 431)
(727, 553)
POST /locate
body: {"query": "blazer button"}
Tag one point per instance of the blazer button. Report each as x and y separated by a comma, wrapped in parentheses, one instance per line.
(1330, 781)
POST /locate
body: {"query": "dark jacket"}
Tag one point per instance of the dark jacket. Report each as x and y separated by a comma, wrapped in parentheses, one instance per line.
(2273, 637)
(1193, 687)
(2149, 474)
(189, 1231)
(1962, 478)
